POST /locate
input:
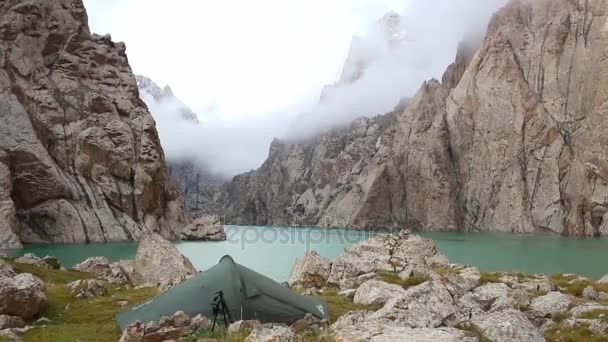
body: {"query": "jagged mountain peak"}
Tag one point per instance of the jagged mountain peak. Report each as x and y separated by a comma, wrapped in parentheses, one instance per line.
(162, 101)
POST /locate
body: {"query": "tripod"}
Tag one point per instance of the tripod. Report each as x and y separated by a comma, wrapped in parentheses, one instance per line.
(220, 308)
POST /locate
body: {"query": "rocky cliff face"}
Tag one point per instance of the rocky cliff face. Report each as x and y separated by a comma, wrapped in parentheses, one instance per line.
(513, 139)
(80, 158)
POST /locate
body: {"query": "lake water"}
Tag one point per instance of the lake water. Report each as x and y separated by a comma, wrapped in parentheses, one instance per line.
(273, 250)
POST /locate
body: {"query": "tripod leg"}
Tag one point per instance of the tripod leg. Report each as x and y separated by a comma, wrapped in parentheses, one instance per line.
(213, 326)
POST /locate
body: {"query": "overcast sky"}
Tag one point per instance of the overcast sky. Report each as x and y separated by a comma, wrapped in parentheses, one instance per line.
(248, 68)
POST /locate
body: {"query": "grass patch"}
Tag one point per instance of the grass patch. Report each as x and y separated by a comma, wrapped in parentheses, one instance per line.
(50, 276)
(86, 319)
(523, 277)
(489, 277)
(446, 271)
(562, 333)
(475, 330)
(570, 284)
(340, 305)
(595, 314)
(393, 278)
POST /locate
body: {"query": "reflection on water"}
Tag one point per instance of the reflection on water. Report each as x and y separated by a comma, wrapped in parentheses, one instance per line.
(273, 250)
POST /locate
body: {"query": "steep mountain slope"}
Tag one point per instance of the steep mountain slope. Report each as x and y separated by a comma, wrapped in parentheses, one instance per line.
(162, 101)
(80, 158)
(512, 140)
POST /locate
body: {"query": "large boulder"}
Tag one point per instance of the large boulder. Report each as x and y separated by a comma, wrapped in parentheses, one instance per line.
(603, 280)
(508, 326)
(205, 228)
(23, 295)
(386, 253)
(312, 270)
(376, 292)
(551, 304)
(158, 262)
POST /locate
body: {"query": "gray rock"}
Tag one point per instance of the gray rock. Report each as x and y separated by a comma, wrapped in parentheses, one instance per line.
(205, 228)
(603, 280)
(507, 326)
(385, 253)
(551, 304)
(23, 295)
(242, 328)
(350, 293)
(427, 305)
(9, 322)
(274, 333)
(158, 262)
(583, 308)
(47, 262)
(116, 273)
(590, 293)
(375, 292)
(87, 288)
(312, 270)
(6, 269)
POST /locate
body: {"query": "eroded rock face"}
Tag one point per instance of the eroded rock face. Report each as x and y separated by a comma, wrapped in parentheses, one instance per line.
(205, 228)
(157, 261)
(80, 158)
(385, 253)
(512, 140)
(375, 292)
(508, 325)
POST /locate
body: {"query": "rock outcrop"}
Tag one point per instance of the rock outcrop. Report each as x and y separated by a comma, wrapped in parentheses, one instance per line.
(158, 262)
(80, 157)
(205, 228)
(163, 101)
(511, 140)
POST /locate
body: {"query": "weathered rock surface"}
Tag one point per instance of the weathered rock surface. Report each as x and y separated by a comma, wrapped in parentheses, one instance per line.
(9, 322)
(551, 304)
(88, 288)
(158, 262)
(507, 326)
(47, 262)
(117, 273)
(22, 295)
(80, 158)
(385, 253)
(270, 333)
(312, 270)
(375, 292)
(205, 228)
(512, 140)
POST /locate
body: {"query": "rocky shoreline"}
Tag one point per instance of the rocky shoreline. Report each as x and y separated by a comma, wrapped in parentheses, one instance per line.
(390, 287)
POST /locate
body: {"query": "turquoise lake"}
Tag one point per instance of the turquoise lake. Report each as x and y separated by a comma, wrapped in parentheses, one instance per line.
(273, 250)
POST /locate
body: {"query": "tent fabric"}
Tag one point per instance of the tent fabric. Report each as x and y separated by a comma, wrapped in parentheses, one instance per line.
(248, 295)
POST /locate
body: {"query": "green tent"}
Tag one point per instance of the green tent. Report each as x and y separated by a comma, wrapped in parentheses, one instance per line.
(247, 295)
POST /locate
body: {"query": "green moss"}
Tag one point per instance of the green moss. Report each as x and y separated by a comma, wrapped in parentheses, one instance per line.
(51, 276)
(490, 277)
(393, 278)
(340, 305)
(475, 330)
(563, 333)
